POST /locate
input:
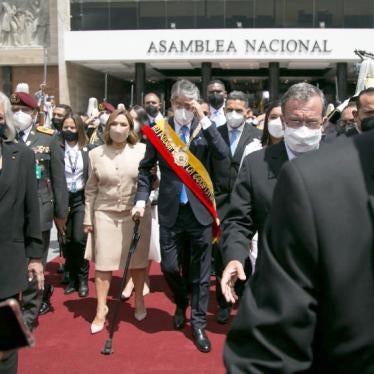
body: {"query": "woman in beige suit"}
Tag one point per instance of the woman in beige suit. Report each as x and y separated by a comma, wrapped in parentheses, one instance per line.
(110, 191)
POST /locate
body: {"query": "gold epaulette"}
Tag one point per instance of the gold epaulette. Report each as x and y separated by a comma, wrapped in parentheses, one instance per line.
(45, 130)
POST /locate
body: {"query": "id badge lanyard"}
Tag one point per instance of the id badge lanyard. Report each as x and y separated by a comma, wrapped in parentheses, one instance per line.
(73, 187)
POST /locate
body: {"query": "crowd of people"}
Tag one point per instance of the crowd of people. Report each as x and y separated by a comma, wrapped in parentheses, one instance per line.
(215, 193)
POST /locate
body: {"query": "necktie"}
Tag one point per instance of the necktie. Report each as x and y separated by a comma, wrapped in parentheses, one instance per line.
(233, 140)
(20, 136)
(183, 199)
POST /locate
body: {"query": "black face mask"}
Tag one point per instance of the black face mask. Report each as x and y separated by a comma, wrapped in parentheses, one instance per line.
(216, 100)
(57, 123)
(151, 110)
(70, 136)
(367, 124)
(2, 130)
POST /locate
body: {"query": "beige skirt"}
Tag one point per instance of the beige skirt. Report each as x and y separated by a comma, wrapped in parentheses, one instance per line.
(109, 245)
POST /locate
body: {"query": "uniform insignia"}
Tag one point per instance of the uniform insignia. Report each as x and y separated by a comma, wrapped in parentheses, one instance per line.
(14, 99)
(101, 107)
(41, 149)
(45, 130)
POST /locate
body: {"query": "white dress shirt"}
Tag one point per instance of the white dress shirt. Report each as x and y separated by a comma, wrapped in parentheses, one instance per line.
(217, 116)
(75, 160)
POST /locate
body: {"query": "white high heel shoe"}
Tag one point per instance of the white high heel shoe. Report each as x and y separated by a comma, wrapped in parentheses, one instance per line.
(97, 327)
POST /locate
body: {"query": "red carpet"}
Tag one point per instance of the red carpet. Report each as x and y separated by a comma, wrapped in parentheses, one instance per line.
(64, 343)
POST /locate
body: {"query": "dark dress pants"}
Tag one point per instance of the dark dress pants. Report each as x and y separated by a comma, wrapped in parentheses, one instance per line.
(31, 296)
(9, 363)
(172, 242)
(76, 238)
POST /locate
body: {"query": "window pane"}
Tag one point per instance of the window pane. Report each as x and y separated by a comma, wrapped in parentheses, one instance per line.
(298, 13)
(329, 13)
(358, 16)
(209, 14)
(180, 14)
(265, 13)
(152, 14)
(123, 15)
(95, 15)
(239, 13)
(76, 15)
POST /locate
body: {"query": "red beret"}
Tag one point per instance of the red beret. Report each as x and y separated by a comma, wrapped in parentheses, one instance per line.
(106, 106)
(23, 98)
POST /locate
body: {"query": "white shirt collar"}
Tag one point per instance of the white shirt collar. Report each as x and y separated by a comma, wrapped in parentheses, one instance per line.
(239, 129)
(75, 148)
(178, 127)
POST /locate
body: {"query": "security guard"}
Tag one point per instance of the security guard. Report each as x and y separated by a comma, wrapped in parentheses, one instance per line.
(52, 190)
(97, 138)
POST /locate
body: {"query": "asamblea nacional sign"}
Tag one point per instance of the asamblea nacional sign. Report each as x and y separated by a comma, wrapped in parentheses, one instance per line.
(217, 45)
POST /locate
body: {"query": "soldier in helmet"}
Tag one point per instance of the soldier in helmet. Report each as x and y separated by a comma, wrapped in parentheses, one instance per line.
(105, 109)
(52, 190)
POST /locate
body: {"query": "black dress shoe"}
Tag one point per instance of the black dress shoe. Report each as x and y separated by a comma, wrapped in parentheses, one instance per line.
(46, 306)
(201, 340)
(223, 315)
(70, 288)
(83, 288)
(179, 318)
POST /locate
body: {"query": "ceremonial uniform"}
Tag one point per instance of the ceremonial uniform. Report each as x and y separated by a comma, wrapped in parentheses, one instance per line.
(51, 189)
(52, 193)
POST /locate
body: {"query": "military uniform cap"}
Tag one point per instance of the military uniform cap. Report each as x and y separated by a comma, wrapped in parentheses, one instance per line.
(23, 98)
(105, 106)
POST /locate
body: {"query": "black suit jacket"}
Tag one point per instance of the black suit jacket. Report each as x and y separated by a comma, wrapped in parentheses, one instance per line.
(52, 189)
(251, 200)
(310, 307)
(224, 172)
(20, 233)
(207, 143)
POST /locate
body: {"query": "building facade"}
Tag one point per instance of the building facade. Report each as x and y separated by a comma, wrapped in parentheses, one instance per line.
(119, 50)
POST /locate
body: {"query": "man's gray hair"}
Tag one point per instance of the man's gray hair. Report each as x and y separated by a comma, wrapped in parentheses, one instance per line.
(302, 92)
(185, 88)
(238, 95)
(10, 131)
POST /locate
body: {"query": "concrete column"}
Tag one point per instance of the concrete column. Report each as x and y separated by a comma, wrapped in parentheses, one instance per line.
(274, 80)
(63, 24)
(7, 80)
(139, 82)
(206, 76)
(342, 73)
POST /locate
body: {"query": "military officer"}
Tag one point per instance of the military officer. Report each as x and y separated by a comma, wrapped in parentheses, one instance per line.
(52, 190)
(97, 137)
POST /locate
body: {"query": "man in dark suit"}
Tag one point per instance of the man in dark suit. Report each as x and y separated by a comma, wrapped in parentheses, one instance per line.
(181, 214)
(52, 190)
(309, 308)
(303, 114)
(237, 134)
(20, 234)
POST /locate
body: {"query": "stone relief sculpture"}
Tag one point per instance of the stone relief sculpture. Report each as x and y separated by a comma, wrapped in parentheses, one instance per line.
(24, 24)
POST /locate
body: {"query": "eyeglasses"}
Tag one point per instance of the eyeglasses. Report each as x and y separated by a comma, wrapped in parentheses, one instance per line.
(310, 123)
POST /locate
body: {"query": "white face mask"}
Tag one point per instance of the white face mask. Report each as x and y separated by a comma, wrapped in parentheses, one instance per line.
(104, 119)
(302, 139)
(136, 126)
(183, 116)
(119, 134)
(22, 120)
(275, 128)
(234, 119)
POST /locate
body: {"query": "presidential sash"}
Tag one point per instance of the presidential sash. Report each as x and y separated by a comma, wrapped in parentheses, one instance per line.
(188, 168)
